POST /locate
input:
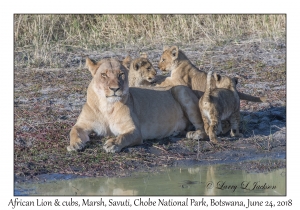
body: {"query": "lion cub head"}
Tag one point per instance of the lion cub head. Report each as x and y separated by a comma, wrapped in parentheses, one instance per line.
(110, 79)
(141, 71)
(225, 81)
(170, 58)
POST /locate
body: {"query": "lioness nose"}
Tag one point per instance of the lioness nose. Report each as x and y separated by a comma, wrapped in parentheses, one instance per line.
(114, 89)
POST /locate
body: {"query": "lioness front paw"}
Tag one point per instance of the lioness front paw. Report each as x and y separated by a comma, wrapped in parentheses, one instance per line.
(75, 146)
(111, 146)
(196, 135)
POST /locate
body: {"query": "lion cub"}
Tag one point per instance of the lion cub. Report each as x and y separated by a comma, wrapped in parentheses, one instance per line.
(141, 71)
(220, 103)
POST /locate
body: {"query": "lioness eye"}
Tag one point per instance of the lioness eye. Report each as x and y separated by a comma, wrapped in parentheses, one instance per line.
(104, 75)
(148, 68)
(162, 60)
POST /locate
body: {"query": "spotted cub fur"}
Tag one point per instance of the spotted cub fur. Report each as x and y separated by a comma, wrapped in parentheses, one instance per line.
(220, 103)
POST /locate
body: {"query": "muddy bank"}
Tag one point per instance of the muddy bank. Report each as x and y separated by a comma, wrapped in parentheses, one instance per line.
(47, 103)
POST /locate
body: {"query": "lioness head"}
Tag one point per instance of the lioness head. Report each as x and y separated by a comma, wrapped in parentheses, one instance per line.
(110, 78)
(225, 81)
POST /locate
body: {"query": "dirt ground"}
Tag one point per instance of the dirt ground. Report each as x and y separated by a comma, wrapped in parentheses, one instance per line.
(48, 101)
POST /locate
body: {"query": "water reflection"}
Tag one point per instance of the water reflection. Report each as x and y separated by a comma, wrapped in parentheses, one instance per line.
(203, 180)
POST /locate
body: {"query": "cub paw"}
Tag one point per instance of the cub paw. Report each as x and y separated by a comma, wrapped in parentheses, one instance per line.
(110, 146)
(225, 126)
(196, 135)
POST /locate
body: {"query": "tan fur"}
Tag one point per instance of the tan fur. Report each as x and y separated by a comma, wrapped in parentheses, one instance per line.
(141, 71)
(132, 114)
(183, 72)
(218, 104)
(126, 62)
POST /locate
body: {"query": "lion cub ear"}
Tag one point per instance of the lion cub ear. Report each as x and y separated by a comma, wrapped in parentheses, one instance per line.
(92, 65)
(217, 76)
(165, 48)
(235, 80)
(126, 62)
(144, 55)
(137, 64)
(174, 51)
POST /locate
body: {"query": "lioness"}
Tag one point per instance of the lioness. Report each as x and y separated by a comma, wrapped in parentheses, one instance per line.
(220, 103)
(141, 71)
(132, 114)
(183, 72)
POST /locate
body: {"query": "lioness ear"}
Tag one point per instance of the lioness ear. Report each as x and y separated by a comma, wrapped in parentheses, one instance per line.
(165, 48)
(126, 62)
(174, 51)
(144, 55)
(217, 76)
(92, 66)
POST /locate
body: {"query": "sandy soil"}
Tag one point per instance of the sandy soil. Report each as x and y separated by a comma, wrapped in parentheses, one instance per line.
(48, 101)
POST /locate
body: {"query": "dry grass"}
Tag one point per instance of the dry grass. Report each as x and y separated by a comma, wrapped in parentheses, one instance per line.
(40, 38)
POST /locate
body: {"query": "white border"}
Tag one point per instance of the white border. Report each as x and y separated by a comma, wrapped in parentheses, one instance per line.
(154, 6)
